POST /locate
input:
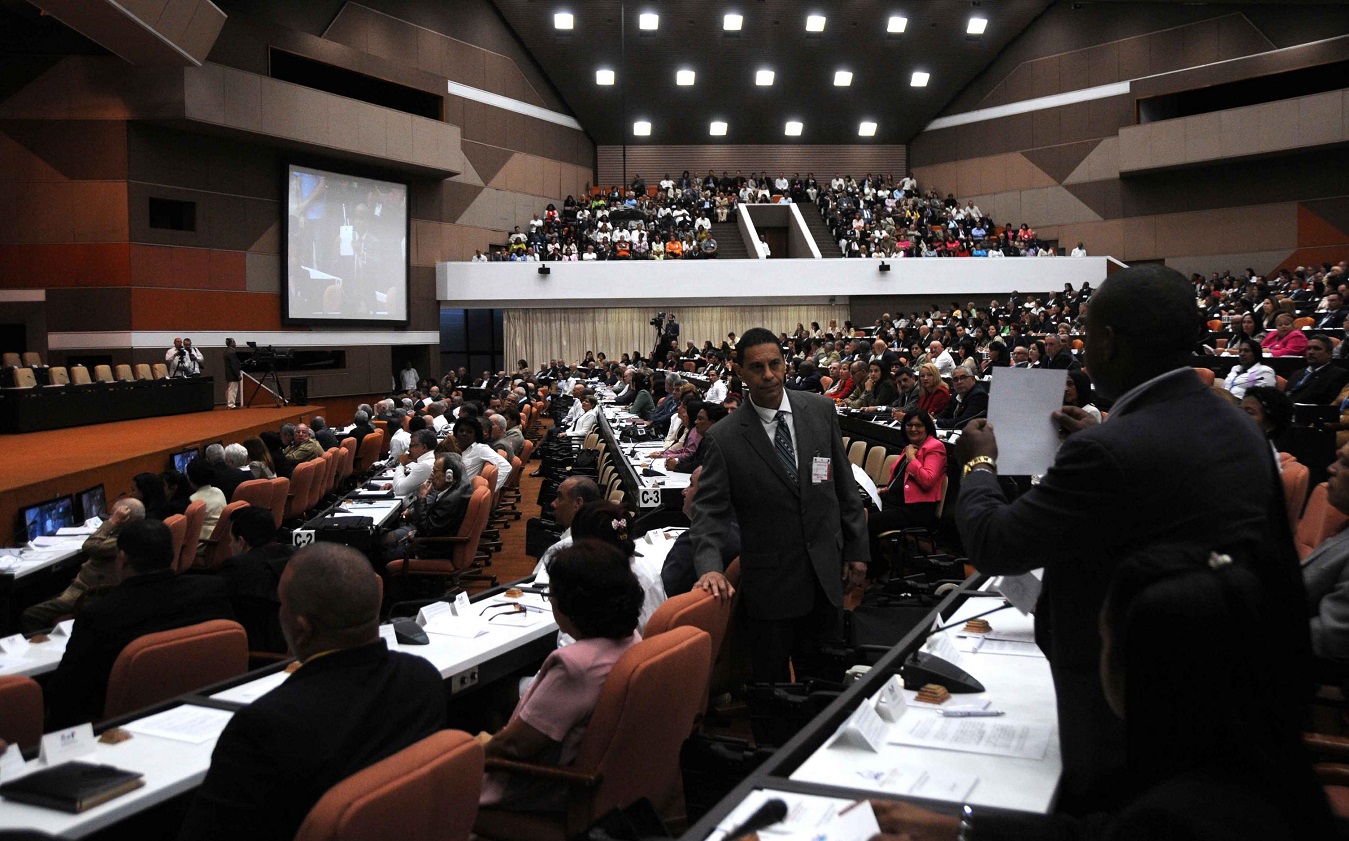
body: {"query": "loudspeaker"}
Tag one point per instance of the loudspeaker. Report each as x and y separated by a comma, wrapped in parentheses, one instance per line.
(299, 391)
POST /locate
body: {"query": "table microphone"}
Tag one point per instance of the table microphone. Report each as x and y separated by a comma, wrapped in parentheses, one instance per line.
(924, 667)
(771, 812)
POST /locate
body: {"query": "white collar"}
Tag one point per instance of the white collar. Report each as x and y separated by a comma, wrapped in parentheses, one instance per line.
(769, 415)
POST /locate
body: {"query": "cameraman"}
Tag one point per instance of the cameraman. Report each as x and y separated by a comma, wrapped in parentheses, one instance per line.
(182, 359)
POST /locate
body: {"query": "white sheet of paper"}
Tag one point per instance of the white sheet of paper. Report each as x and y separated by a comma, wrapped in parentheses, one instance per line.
(247, 693)
(987, 645)
(972, 735)
(465, 628)
(931, 783)
(1019, 403)
(1023, 591)
(809, 818)
(187, 723)
(74, 531)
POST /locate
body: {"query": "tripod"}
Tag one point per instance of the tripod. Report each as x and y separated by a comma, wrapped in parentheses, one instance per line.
(261, 384)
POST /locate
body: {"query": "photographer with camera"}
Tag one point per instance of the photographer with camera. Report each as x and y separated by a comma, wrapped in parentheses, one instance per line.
(182, 359)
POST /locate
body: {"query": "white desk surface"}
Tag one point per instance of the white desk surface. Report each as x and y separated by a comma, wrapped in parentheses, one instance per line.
(644, 450)
(171, 767)
(1019, 686)
(18, 563)
(37, 659)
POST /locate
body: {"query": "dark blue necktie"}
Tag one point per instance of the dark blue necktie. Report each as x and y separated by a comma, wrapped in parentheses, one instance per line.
(782, 442)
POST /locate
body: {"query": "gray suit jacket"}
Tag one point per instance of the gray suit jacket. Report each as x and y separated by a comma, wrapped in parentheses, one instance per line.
(1326, 574)
(792, 535)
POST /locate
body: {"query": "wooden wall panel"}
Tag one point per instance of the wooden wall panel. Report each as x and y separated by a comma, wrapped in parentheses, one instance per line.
(175, 309)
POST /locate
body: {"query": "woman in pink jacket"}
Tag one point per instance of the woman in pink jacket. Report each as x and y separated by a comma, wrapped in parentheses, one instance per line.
(1283, 340)
(910, 499)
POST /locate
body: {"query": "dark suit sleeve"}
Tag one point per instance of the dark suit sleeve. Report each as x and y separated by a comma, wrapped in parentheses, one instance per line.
(852, 517)
(236, 798)
(712, 509)
(77, 688)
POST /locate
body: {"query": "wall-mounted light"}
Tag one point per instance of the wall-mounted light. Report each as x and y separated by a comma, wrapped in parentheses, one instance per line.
(885, 267)
(544, 270)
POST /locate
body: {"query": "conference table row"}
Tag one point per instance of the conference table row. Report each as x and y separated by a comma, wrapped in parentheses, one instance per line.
(62, 406)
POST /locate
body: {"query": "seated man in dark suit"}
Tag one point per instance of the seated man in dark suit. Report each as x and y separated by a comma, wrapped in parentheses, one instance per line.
(362, 427)
(252, 574)
(1333, 317)
(326, 437)
(1057, 356)
(233, 471)
(1321, 381)
(678, 574)
(970, 402)
(351, 704)
(150, 598)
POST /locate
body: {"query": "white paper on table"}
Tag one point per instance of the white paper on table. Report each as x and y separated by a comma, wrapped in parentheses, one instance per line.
(1023, 591)
(930, 783)
(1019, 403)
(990, 645)
(47, 542)
(462, 627)
(968, 703)
(247, 693)
(74, 531)
(972, 735)
(809, 818)
(187, 723)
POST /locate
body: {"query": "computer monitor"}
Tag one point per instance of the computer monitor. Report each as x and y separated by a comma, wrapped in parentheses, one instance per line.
(181, 460)
(45, 518)
(93, 503)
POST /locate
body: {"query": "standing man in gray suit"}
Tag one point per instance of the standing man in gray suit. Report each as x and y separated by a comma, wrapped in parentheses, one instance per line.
(777, 467)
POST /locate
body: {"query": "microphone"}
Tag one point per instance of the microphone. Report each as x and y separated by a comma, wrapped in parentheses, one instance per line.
(922, 667)
(771, 812)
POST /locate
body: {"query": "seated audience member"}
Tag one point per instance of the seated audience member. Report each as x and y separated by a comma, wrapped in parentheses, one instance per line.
(514, 436)
(468, 433)
(1250, 370)
(351, 704)
(687, 438)
(1181, 626)
(98, 571)
(496, 430)
(150, 598)
(305, 447)
(934, 393)
(906, 393)
(252, 574)
(178, 491)
(233, 472)
(1284, 340)
(877, 390)
(1077, 392)
(276, 452)
(420, 458)
(1271, 410)
(970, 402)
(402, 435)
(807, 379)
(706, 415)
(642, 402)
(677, 574)
(573, 493)
(596, 600)
(437, 510)
(585, 421)
(1057, 356)
(149, 489)
(846, 383)
(326, 438)
(1321, 381)
(1325, 573)
(716, 386)
(607, 522)
(361, 428)
(200, 474)
(911, 496)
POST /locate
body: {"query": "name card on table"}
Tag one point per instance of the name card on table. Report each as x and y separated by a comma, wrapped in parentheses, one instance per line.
(432, 610)
(941, 645)
(864, 728)
(890, 703)
(14, 644)
(64, 745)
(461, 606)
(387, 634)
(63, 629)
(11, 763)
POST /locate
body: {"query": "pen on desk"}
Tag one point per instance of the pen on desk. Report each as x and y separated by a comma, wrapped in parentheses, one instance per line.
(971, 713)
(853, 805)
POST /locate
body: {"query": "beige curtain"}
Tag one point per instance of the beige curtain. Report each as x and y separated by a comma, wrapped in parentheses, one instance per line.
(538, 335)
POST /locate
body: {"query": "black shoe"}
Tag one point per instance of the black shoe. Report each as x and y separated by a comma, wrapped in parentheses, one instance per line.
(536, 474)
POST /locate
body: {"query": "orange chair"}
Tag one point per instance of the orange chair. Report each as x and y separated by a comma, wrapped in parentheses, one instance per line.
(79, 375)
(159, 666)
(1215, 324)
(302, 481)
(24, 378)
(20, 711)
(103, 373)
(383, 426)
(220, 542)
(280, 496)
(124, 374)
(694, 609)
(57, 375)
(196, 518)
(1303, 322)
(161, 371)
(347, 465)
(177, 524)
(327, 469)
(1207, 375)
(255, 492)
(1320, 521)
(630, 749)
(462, 564)
(143, 372)
(1281, 382)
(371, 446)
(1295, 476)
(826, 382)
(428, 791)
(10, 360)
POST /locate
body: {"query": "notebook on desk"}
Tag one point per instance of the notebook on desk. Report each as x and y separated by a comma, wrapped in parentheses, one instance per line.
(72, 786)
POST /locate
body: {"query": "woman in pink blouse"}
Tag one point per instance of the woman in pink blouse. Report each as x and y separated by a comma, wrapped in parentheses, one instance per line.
(1283, 340)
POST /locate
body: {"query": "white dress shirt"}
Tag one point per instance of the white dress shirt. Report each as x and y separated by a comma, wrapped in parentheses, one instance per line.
(946, 366)
(414, 474)
(399, 443)
(478, 454)
(716, 392)
(770, 424)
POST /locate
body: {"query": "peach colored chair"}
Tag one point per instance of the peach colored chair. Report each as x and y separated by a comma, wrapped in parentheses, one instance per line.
(58, 375)
(1207, 375)
(10, 360)
(159, 666)
(428, 791)
(630, 749)
(20, 710)
(161, 371)
(24, 378)
(462, 548)
(280, 496)
(255, 492)
(1320, 521)
(368, 454)
(143, 372)
(103, 373)
(79, 375)
(195, 518)
(219, 544)
(32, 359)
(302, 481)
(1296, 476)
(177, 524)
(124, 374)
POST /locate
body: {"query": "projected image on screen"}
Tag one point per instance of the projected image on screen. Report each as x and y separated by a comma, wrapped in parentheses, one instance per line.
(346, 247)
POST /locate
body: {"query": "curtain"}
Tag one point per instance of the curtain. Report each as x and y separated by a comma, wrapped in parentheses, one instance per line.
(537, 335)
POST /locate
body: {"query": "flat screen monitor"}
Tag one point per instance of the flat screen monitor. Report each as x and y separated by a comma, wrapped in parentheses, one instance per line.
(181, 460)
(43, 519)
(346, 248)
(93, 503)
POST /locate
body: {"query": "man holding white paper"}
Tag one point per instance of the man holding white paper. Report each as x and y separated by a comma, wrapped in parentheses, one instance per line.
(1160, 470)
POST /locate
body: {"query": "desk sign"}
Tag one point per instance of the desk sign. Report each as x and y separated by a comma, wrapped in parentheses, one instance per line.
(864, 728)
(890, 703)
(15, 644)
(432, 610)
(63, 629)
(64, 745)
(460, 606)
(387, 634)
(11, 763)
(648, 498)
(302, 537)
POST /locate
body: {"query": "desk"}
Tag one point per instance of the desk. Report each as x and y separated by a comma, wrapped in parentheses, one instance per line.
(42, 569)
(659, 500)
(58, 407)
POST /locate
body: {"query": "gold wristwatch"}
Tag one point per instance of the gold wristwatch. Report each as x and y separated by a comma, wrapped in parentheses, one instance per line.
(978, 462)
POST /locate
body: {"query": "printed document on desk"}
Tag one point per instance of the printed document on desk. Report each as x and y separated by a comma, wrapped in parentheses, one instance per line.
(1019, 403)
(972, 735)
(187, 723)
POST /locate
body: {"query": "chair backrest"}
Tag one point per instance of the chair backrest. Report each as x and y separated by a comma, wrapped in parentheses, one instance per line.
(941, 503)
(1296, 476)
(302, 480)
(1320, 521)
(887, 468)
(221, 537)
(826, 382)
(645, 712)
(513, 480)
(177, 524)
(326, 479)
(346, 461)
(480, 482)
(490, 473)
(526, 451)
(1281, 382)
(161, 371)
(696, 608)
(1304, 321)
(24, 378)
(32, 358)
(428, 791)
(857, 453)
(143, 372)
(475, 520)
(20, 710)
(79, 375)
(103, 373)
(1206, 374)
(254, 492)
(196, 518)
(383, 426)
(124, 373)
(158, 666)
(371, 446)
(280, 496)
(58, 375)
(10, 360)
(875, 463)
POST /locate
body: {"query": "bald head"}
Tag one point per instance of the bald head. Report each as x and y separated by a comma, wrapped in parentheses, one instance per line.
(330, 599)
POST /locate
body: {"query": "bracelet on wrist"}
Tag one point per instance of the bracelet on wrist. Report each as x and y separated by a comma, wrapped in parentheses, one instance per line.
(980, 462)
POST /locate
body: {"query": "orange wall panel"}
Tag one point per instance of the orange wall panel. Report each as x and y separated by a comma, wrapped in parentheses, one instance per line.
(173, 267)
(66, 265)
(184, 309)
(1313, 231)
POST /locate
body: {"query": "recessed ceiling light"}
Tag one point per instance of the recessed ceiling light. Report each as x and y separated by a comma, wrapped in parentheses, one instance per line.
(648, 20)
(563, 20)
(866, 129)
(919, 79)
(842, 78)
(976, 26)
(732, 23)
(793, 128)
(684, 77)
(641, 128)
(604, 77)
(763, 78)
(717, 129)
(815, 23)
(896, 24)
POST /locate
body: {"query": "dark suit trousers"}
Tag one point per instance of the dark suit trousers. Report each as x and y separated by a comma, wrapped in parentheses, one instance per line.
(774, 642)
